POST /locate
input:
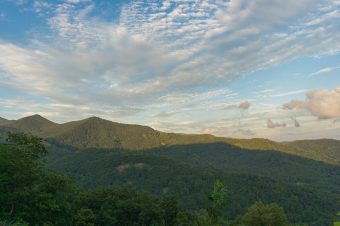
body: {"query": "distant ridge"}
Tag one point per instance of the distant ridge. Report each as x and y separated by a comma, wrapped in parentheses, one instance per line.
(3, 121)
(328, 148)
(99, 133)
(35, 124)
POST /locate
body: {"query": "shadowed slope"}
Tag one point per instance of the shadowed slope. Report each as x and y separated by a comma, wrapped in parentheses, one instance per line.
(165, 175)
(278, 166)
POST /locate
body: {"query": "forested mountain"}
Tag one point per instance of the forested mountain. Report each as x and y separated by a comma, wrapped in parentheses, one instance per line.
(189, 183)
(303, 177)
(328, 149)
(99, 133)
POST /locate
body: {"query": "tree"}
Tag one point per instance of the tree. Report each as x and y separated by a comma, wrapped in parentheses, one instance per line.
(31, 145)
(28, 192)
(260, 214)
(214, 214)
(19, 171)
(84, 217)
(170, 207)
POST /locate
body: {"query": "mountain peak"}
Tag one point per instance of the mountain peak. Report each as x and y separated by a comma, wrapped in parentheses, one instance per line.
(33, 124)
(94, 118)
(35, 116)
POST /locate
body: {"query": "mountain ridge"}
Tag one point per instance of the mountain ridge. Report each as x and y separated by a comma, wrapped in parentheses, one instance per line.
(329, 147)
(35, 124)
(95, 132)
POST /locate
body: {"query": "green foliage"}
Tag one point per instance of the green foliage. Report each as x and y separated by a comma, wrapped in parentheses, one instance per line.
(214, 213)
(170, 206)
(84, 217)
(32, 145)
(183, 173)
(162, 175)
(278, 166)
(122, 206)
(218, 198)
(27, 191)
(19, 171)
(260, 214)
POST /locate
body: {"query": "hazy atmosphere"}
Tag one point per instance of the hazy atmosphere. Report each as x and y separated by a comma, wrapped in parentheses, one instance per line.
(240, 68)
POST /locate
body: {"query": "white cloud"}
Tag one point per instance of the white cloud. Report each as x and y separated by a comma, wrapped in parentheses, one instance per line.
(156, 50)
(164, 54)
(322, 103)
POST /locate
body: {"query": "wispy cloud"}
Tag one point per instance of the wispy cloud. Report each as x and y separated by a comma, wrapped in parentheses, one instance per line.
(324, 70)
(159, 48)
(165, 55)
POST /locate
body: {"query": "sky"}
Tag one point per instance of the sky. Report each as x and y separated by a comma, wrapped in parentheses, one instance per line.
(234, 68)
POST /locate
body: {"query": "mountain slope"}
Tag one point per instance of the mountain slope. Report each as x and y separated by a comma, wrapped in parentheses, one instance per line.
(34, 124)
(163, 175)
(327, 148)
(3, 121)
(99, 133)
(272, 164)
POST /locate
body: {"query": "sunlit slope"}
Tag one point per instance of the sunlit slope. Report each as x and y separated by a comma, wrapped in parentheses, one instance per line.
(34, 124)
(99, 133)
(327, 150)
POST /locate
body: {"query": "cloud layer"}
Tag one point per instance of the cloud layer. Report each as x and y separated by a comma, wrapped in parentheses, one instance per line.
(168, 59)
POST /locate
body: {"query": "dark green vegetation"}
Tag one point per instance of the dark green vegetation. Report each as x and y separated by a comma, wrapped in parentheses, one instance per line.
(30, 195)
(165, 176)
(275, 165)
(96, 152)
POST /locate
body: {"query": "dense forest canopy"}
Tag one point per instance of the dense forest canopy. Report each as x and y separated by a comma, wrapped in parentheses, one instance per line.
(32, 195)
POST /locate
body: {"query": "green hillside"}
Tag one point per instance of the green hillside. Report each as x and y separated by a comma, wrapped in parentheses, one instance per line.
(328, 149)
(190, 184)
(99, 153)
(273, 164)
(99, 133)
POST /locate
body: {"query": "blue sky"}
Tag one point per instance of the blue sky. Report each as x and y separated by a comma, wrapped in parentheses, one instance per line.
(237, 68)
